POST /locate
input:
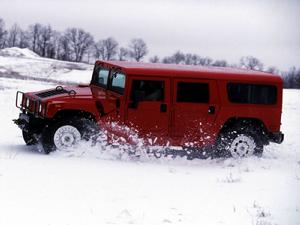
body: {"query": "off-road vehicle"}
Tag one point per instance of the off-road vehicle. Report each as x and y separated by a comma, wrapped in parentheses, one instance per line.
(234, 111)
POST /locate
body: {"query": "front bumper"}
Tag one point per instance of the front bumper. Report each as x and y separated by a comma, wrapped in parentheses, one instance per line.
(276, 137)
(29, 123)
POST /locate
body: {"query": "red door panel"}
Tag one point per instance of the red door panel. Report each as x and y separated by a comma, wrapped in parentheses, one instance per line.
(193, 117)
(150, 117)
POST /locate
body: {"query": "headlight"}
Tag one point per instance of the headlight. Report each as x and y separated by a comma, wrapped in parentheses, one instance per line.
(40, 108)
(27, 102)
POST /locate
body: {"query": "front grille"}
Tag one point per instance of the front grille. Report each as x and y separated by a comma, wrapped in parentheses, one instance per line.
(53, 92)
(30, 105)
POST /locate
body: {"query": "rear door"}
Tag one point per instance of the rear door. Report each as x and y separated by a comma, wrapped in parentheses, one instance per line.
(148, 107)
(195, 106)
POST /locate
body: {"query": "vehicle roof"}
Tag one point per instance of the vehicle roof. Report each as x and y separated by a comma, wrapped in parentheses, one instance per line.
(190, 71)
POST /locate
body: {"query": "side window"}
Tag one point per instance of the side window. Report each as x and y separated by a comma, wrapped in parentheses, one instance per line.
(192, 92)
(252, 93)
(147, 90)
(118, 82)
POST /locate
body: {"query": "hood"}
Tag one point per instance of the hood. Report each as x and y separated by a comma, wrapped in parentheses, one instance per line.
(81, 97)
(74, 92)
(79, 94)
(60, 91)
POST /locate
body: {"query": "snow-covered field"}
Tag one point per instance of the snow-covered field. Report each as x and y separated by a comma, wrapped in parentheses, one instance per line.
(90, 186)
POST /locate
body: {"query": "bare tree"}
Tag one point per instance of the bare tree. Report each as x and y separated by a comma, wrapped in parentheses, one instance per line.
(35, 32)
(168, 60)
(44, 40)
(273, 70)
(54, 45)
(297, 79)
(90, 54)
(177, 58)
(252, 63)
(137, 49)
(220, 63)
(154, 59)
(24, 39)
(13, 39)
(3, 34)
(64, 50)
(106, 49)
(191, 59)
(292, 78)
(205, 61)
(123, 54)
(79, 41)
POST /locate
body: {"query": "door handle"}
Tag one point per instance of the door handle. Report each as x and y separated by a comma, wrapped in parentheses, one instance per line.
(163, 107)
(211, 110)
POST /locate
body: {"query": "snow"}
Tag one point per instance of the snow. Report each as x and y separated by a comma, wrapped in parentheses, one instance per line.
(18, 52)
(26, 64)
(93, 186)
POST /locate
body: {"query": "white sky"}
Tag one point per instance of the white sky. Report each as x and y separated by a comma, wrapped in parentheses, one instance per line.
(220, 29)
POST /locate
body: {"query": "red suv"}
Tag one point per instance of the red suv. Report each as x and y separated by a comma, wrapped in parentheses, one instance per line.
(225, 110)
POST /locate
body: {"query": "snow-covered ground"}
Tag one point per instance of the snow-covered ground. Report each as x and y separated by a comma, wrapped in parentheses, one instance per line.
(92, 186)
(23, 63)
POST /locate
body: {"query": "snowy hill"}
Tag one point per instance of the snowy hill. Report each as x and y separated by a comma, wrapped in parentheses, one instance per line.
(18, 52)
(25, 64)
(98, 186)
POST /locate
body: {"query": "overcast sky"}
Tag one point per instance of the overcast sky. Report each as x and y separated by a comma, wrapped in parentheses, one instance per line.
(220, 29)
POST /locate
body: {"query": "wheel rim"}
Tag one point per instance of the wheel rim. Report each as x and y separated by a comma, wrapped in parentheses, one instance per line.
(66, 137)
(242, 146)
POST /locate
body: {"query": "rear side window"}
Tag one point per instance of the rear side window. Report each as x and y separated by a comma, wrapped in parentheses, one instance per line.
(252, 93)
(192, 92)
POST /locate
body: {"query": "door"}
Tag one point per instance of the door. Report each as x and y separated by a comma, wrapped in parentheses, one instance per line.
(148, 107)
(195, 105)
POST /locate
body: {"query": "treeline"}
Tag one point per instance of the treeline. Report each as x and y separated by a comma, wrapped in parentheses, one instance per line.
(291, 78)
(73, 44)
(78, 45)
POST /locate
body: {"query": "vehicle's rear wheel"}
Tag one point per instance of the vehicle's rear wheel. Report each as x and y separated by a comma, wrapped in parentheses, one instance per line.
(67, 133)
(29, 138)
(240, 143)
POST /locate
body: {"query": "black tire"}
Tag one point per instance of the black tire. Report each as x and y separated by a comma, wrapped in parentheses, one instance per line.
(87, 128)
(241, 142)
(29, 138)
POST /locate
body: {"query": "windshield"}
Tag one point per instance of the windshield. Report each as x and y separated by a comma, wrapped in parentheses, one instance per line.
(100, 76)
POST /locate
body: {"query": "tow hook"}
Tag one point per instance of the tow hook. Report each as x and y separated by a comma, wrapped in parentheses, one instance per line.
(20, 123)
(17, 121)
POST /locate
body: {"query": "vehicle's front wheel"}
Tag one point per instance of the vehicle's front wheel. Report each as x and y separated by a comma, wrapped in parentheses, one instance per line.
(67, 133)
(240, 143)
(29, 138)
